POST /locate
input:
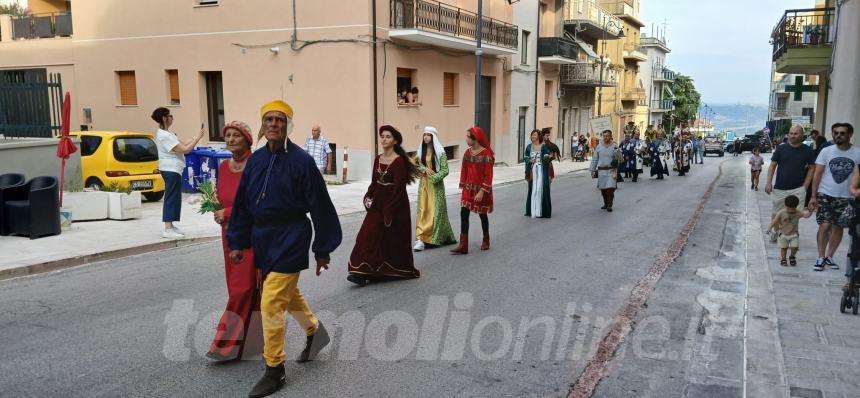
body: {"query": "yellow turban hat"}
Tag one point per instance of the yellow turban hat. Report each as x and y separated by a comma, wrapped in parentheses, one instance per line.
(277, 105)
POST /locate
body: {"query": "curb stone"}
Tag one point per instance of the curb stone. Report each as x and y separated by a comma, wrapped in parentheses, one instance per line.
(103, 256)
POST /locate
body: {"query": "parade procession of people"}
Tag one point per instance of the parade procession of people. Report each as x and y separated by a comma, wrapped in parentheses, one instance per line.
(267, 194)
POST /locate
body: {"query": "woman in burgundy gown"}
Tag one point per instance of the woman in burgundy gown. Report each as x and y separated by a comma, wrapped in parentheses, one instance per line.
(239, 333)
(383, 248)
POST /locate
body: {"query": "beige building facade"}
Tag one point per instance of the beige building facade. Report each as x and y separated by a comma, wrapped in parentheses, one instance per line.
(626, 102)
(215, 61)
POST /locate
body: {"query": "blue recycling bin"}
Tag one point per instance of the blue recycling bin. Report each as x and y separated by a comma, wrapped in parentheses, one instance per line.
(192, 169)
(213, 160)
(202, 164)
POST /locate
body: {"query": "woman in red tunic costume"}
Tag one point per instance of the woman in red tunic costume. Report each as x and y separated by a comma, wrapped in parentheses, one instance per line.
(383, 248)
(239, 333)
(476, 180)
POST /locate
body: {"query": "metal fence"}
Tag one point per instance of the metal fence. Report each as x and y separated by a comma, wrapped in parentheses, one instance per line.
(40, 26)
(810, 27)
(439, 17)
(557, 46)
(587, 74)
(31, 103)
(661, 105)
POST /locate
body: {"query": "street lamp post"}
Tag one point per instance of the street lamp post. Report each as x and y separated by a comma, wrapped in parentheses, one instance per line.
(606, 24)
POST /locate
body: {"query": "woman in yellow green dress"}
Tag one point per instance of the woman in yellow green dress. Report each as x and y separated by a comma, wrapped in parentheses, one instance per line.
(431, 223)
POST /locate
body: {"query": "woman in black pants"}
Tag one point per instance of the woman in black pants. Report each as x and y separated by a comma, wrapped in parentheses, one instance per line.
(171, 162)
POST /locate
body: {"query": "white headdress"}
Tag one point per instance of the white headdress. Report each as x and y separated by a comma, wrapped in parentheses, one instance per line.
(437, 146)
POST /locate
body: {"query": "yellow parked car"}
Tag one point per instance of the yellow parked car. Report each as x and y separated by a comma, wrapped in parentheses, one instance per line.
(128, 159)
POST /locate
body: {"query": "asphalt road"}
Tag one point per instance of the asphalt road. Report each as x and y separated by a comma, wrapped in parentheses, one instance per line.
(139, 326)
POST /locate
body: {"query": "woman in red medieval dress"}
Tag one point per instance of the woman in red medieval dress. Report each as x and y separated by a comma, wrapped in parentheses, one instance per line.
(476, 181)
(239, 333)
(383, 247)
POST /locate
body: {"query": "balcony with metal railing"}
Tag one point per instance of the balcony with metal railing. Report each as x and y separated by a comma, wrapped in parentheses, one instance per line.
(803, 41)
(587, 74)
(557, 50)
(635, 52)
(661, 106)
(41, 26)
(664, 75)
(633, 94)
(584, 18)
(447, 26)
(626, 11)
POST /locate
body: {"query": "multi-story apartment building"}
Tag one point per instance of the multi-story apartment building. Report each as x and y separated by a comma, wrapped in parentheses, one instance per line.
(341, 64)
(575, 61)
(657, 79)
(627, 102)
(524, 72)
(823, 43)
(793, 97)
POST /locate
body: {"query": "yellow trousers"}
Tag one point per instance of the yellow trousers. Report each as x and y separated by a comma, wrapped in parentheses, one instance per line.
(280, 294)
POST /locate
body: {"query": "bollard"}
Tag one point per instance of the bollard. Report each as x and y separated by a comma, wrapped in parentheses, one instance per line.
(345, 162)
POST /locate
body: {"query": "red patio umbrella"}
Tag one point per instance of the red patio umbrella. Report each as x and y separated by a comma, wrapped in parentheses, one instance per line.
(66, 147)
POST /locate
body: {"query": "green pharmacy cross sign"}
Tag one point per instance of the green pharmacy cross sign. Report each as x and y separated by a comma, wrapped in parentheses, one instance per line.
(798, 88)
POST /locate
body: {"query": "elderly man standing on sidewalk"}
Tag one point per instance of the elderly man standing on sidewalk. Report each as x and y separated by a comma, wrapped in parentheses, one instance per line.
(831, 195)
(317, 146)
(793, 163)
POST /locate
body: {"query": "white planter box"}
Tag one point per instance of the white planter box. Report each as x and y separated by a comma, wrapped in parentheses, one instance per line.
(86, 206)
(124, 206)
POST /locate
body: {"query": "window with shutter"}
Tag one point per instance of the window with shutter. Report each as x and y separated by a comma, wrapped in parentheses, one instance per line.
(449, 89)
(524, 48)
(173, 86)
(127, 88)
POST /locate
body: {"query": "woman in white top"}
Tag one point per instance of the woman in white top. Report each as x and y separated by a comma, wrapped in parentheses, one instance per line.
(171, 161)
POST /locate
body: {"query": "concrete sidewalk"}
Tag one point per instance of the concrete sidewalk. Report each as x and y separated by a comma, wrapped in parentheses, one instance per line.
(798, 343)
(102, 240)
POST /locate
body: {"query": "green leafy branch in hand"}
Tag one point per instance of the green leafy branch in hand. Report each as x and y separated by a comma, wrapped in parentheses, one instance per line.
(210, 202)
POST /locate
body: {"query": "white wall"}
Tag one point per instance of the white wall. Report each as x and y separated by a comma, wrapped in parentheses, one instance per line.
(522, 81)
(647, 72)
(843, 100)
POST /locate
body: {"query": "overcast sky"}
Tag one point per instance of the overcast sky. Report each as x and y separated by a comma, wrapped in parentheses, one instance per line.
(722, 44)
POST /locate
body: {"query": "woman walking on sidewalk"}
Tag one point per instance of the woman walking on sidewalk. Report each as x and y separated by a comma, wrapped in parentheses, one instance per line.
(383, 249)
(171, 162)
(240, 331)
(537, 159)
(431, 221)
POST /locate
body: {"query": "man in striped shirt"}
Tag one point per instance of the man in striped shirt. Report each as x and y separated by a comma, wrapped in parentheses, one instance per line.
(318, 148)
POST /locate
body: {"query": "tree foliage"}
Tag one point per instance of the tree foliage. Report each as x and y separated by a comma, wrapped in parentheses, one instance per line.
(687, 99)
(15, 9)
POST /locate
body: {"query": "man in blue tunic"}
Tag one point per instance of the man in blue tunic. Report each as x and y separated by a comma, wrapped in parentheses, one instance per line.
(279, 186)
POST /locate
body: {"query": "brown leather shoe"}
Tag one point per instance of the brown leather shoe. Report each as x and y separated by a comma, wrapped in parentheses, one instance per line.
(463, 246)
(485, 245)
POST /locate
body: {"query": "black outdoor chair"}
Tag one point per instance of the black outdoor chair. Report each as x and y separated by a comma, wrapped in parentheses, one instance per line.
(7, 181)
(33, 209)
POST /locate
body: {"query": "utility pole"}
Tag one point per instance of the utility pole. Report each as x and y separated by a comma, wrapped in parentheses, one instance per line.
(478, 53)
